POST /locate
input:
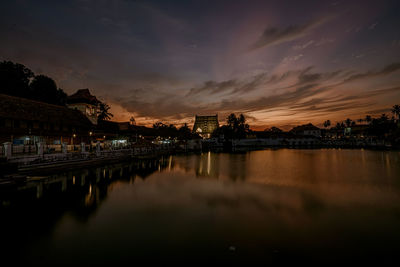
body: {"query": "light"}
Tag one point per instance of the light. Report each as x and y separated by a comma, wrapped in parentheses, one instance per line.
(90, 133)
(74, 135)
(104, 136)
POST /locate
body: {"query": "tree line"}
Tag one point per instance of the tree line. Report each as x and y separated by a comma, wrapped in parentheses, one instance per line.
(18, 80)
(368, 120)
(378, 126)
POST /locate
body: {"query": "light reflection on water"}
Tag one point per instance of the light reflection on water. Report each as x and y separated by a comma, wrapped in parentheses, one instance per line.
(269, 206)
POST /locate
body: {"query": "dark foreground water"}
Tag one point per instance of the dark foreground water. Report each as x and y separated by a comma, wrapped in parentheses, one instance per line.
(271, 206)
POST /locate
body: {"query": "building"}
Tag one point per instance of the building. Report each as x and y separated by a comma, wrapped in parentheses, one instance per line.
(307, 129)
(86, 103)
(205, 125)
(25, 121)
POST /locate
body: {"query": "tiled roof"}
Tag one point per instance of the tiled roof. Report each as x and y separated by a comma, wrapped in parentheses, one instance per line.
(17, 108)
(83, 96)
(305, 127)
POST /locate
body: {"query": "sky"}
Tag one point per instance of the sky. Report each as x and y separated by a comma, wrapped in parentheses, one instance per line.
(280, 63)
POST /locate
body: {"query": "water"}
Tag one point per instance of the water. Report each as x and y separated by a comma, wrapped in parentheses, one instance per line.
(270, 206)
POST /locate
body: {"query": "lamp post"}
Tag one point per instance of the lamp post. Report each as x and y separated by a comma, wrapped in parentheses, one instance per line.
(90, 140)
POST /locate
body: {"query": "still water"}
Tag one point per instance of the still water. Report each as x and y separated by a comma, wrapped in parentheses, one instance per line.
(317, 206)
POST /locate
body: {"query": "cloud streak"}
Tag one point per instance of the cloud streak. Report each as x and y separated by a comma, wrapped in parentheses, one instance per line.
(370, 74)
(274, 36)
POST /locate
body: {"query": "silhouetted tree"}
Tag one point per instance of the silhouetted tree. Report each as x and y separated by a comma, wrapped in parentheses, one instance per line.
(159, 125)
(184, 133)
(104, 113)
(340, 126)
(238, 126)
(14, 79)
(18, 80)
(396, 111)
(44, 89)
(232, 121)
(381, 126)
(368, 119)
(348, 122)
(327, 123)
(384, 118)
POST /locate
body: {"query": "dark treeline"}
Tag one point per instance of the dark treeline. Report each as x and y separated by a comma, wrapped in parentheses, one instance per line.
(18, 80)
(170, 130)
(235, 128)
(381, 126)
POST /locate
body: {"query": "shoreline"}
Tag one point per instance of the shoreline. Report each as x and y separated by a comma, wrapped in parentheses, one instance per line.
(50, 167)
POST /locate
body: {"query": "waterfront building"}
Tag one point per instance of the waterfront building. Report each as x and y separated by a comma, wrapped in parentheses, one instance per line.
(27, 122)
(205, 125)
(86, 103)
(307, 129)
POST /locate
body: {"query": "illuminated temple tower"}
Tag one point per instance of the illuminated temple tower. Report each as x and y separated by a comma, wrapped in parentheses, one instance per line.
(205, 125)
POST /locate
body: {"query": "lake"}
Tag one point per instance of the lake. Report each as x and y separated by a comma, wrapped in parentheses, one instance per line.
(268, 206)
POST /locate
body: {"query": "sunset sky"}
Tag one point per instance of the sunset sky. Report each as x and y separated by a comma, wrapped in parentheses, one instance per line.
(281, 63)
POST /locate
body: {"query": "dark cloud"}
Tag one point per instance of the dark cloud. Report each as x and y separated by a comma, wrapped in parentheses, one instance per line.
(386, 70)
(377, 111)
(212, 87)
(235, 86)
(273, 101)
(252, 85)
(274, 36)
(232, 86)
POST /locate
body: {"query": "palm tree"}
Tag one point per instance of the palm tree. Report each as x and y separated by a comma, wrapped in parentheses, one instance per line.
(327, 123)
(396, 111)
(104, 113)
(360, 120)
(348, 122)
(368, 119)
(384, 118)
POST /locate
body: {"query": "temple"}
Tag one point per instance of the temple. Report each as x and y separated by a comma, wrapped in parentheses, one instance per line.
(205, 125)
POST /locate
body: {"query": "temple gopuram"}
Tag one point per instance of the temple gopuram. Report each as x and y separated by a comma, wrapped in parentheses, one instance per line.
(205, 125)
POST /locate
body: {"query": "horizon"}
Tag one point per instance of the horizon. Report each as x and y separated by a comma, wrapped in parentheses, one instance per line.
(168, 62)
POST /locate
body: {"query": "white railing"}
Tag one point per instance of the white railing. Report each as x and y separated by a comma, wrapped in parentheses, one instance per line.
(27, 154)
(23, 149)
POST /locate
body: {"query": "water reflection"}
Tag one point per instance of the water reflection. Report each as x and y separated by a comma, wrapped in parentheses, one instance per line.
(271, 206)
(207, 165)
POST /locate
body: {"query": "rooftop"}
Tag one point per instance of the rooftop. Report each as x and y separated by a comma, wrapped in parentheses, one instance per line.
(83, 96)
(305, 127)
(18, 108)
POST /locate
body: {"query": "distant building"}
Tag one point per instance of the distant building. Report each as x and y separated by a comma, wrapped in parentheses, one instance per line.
(205, 125)
(86, 103)
(307, 129)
